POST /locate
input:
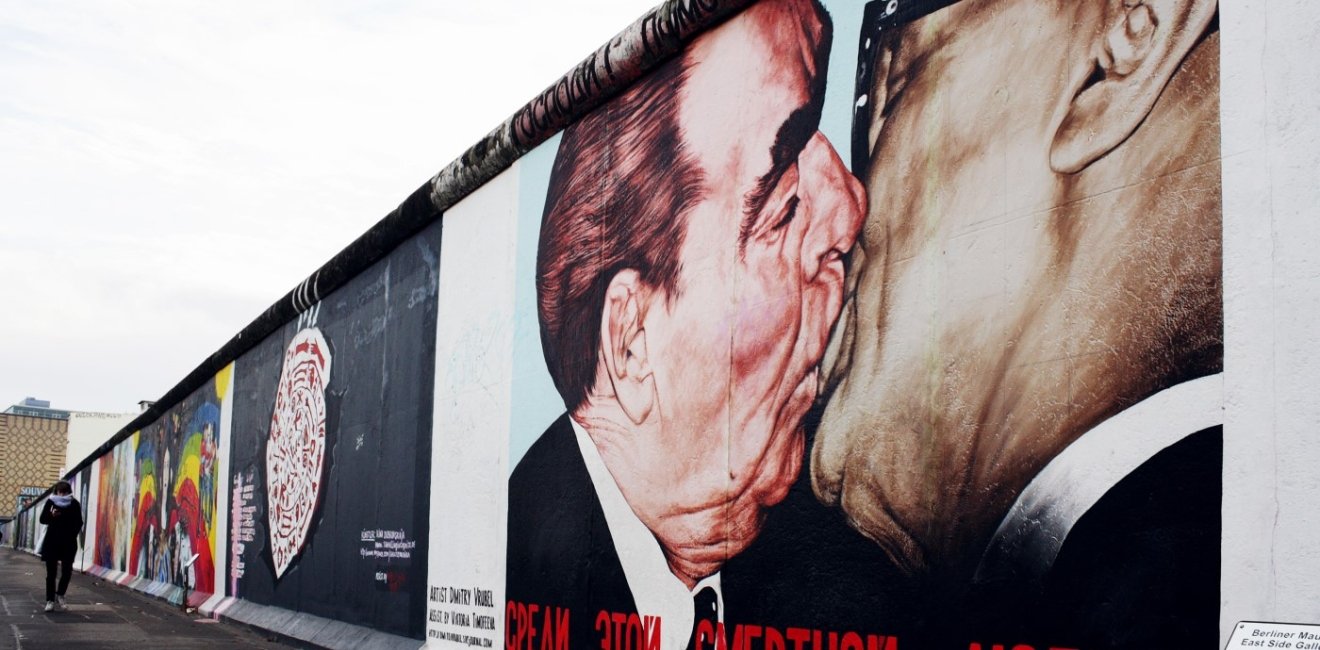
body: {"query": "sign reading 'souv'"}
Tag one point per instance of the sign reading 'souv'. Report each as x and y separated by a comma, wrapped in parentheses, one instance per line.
(295, 450)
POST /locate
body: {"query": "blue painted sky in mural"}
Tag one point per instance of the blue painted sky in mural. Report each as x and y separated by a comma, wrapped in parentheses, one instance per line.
(171, 169)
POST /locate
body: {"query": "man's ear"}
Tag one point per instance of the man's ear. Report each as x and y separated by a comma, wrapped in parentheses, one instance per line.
(623, 345)
(1137, 49)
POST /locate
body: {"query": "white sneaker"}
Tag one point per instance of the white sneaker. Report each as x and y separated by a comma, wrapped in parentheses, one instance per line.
(50, 605)
(60, 605)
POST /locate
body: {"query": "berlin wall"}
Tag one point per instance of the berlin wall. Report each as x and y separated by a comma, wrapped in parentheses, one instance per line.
(976, 324)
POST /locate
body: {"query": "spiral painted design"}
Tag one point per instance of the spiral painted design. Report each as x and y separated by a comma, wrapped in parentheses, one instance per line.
(295, 449)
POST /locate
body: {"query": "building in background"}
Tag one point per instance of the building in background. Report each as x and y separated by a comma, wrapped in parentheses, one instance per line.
(38, 444)
(37, 408)
(88, 431)
(33, 441)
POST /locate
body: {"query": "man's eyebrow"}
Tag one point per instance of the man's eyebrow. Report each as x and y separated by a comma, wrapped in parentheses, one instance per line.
(791, 138)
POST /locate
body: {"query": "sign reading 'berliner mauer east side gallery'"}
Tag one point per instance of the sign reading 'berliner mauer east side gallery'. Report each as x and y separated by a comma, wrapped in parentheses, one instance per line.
(1289, 636)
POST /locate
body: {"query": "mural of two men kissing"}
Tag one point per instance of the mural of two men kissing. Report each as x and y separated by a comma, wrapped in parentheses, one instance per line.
(962, 389)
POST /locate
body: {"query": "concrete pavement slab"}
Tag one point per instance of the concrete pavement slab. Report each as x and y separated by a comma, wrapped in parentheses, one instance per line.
(103, 615)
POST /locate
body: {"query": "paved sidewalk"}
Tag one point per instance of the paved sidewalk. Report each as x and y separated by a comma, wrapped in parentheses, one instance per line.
(102, 615)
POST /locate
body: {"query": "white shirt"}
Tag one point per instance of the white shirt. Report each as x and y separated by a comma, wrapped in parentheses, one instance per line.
(655, 589)
(1030, 536)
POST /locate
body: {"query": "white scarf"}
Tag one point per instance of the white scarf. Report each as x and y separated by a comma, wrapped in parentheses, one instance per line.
(61, 500)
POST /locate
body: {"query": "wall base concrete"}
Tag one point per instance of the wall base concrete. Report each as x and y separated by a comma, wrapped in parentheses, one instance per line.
(313, 630)
(287, 625)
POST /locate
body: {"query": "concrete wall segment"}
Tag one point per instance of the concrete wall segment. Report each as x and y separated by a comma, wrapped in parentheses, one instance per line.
(1269, 553)
(1271, 144)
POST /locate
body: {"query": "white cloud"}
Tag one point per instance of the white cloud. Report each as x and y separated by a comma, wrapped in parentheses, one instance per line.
(170, 169)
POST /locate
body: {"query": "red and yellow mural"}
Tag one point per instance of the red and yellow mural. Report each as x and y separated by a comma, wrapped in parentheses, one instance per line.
(117, 501)
(156, 518)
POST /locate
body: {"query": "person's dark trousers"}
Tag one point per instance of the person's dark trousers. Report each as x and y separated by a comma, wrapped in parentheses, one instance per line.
(65, 574)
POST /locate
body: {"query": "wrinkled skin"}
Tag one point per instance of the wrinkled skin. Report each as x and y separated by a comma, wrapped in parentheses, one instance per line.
(731, 360)
(1000, 308)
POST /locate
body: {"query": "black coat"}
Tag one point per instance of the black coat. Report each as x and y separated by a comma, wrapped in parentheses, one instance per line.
(561, 555)
(62, 526)
(807, 568)
(1139, 570)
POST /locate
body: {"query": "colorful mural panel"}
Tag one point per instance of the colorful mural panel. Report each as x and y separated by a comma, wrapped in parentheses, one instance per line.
(845, 329)
(175, 513)
(116, 506)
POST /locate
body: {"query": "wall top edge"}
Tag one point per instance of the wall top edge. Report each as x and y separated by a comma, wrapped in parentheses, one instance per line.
(649, 41)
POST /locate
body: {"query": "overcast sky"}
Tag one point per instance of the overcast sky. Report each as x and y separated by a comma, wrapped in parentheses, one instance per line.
(170, 169)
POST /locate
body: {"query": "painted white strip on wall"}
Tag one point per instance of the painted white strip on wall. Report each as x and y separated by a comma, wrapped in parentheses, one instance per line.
(89, 524)
(1270, 115)
(470, 434)
(223, 485)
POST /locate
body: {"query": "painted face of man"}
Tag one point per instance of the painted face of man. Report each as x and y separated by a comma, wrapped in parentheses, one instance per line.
(735, 350)
(1007, 284)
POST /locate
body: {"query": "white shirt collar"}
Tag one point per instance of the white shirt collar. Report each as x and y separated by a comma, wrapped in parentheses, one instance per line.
(655, 589)
(1030, 536)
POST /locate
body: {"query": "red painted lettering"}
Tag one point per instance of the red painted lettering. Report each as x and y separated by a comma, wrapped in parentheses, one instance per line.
(721, 637)
(549, 638)
(603, 626)
(705, 633)
(652, 632)
(881, 643)
(511, 625)
(531, 624)
(798, 636)
(743, 635)
(620, 622)
(561, 629)
(521, 631)
(634, 632)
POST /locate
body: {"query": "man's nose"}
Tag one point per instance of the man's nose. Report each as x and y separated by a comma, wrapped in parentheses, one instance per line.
(835, 203)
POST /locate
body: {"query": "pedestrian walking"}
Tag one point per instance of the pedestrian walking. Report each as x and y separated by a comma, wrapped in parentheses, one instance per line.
(62, 516)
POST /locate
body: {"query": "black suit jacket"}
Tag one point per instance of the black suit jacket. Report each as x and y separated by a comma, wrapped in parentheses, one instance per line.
(560, 552)
(1138, 571)
(808, 568)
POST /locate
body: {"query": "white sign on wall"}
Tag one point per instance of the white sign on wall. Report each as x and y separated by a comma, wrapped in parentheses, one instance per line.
(1289, 636)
